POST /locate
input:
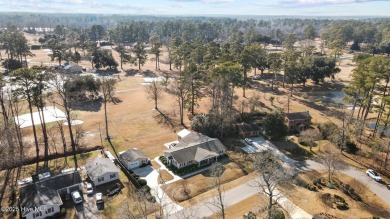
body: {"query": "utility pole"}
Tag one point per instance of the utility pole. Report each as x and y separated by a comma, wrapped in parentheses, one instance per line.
(100, 132)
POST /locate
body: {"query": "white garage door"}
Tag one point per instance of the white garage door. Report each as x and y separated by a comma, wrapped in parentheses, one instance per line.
(133, 165)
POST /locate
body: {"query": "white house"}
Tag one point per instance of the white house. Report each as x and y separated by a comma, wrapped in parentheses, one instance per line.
(194, 149)
(42, 197)
(101, 171)
(133, 158)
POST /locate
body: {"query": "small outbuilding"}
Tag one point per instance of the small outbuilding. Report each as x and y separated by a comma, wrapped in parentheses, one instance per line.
(133, 158)
(101, 171)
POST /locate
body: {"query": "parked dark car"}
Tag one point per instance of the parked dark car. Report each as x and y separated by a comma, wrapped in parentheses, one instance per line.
(115, 189)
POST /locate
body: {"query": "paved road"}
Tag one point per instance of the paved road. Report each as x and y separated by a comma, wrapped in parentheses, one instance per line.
(234, 196)
(378, 188)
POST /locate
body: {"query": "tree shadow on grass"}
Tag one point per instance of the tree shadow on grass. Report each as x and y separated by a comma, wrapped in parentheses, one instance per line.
(293, 150)
(89, 105)
(166, 120)
(131, 72)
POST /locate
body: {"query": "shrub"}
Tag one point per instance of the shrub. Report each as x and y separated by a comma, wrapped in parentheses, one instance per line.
(151, 199)
(142, 182)
(350, 147)
(338, 198)
(145, 188)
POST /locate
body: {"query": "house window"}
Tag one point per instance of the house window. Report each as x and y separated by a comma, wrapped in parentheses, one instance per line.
(49, 210)
(112, 176)
(100, 179)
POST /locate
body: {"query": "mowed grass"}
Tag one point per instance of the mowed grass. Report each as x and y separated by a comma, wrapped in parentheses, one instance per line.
(294, 150)
(186, 189)
(164, 176)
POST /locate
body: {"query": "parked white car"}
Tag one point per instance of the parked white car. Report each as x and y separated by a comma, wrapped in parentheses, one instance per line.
(371, 173)
(76, 197)
(249, 141)
(89, 189)
(99, 198)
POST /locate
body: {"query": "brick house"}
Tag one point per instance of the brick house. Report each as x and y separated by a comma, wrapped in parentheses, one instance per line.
(298, 121)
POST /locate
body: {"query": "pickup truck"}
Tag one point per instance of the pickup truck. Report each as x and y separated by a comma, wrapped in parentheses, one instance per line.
(114, 190)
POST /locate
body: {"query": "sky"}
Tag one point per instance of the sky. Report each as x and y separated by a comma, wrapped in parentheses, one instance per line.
(204, 7)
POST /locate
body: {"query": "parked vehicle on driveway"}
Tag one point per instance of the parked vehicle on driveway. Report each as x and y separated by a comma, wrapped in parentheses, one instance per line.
(249, 141)
(99, 198)
(371, 173)
(76, 197)
(114, 190)
(257, 77)
(89, 189)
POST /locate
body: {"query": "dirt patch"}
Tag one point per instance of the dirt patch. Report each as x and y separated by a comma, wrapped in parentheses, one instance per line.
(312, 202)
(164, 176)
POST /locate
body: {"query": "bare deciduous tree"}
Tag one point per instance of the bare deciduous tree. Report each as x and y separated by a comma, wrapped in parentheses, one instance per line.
(216, 171)
(154, 90)
(270, 173)
(331, 159)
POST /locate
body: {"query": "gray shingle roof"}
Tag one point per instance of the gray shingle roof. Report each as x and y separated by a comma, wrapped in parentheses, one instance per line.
(133, 154)
(99, 167)
(249, 127)
(44, 192)
(38, 195)
(298, 115)
(195, 146)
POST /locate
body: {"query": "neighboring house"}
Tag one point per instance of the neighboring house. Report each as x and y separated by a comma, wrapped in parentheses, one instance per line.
(102, 170)
(72, 68)
(42, 198)
(248, 130)
(133, 158)
(298, 121)
(194, 149)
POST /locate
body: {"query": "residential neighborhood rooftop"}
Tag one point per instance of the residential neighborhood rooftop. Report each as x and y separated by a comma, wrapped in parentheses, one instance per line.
(99, 166)
(196, 146)
(133, 154)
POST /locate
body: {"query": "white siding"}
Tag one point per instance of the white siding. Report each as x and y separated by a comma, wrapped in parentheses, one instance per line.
(44, 212)
(132, 165)
(106, 178)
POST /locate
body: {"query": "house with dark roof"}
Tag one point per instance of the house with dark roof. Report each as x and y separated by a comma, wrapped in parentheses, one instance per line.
(101, 171)
(42, 198)
(298, 121)
(248, 130)
(71, 67)
(194, 149)
(133, 158)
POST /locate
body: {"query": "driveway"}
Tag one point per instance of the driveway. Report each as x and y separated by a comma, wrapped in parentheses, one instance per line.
(378, 188)
(149, 174)
(88, 208)
(234, 196)
(260, 144)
